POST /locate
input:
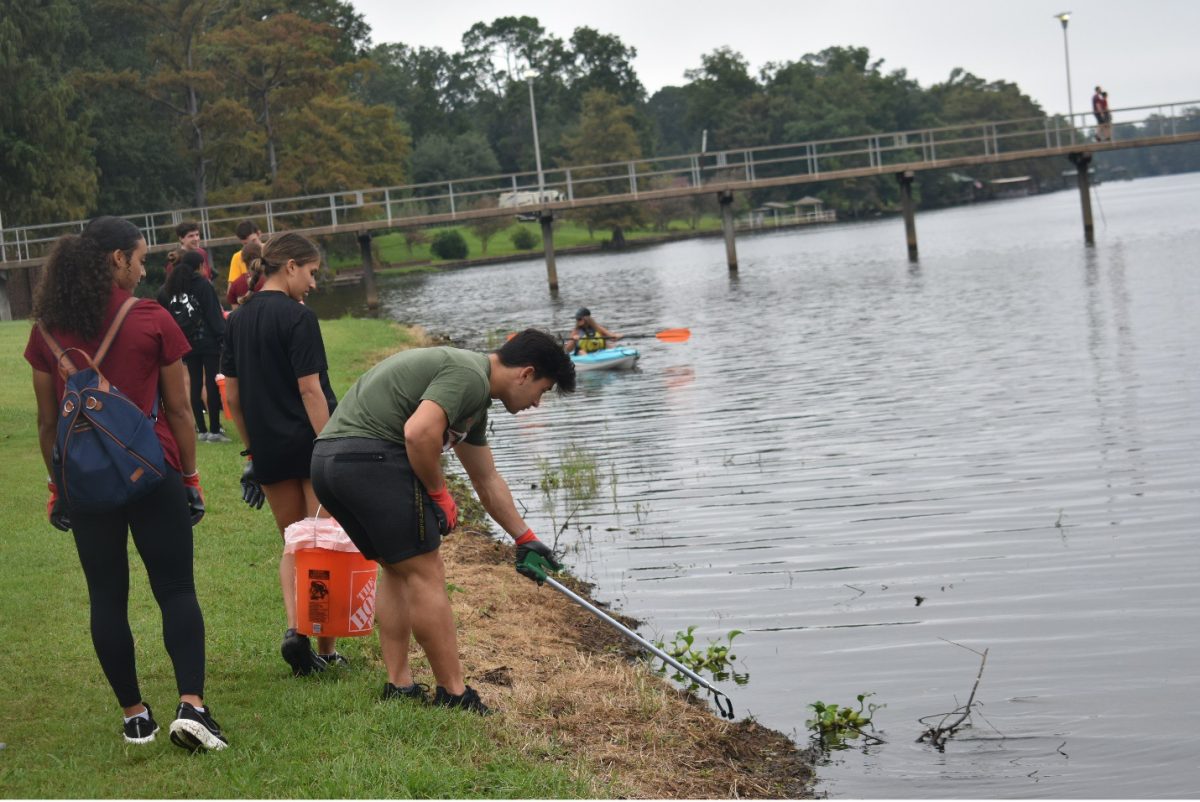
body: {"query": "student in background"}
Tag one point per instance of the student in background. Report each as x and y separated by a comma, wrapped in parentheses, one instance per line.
(247, 231)
(189, 240)
(193, 303)
(249, 282)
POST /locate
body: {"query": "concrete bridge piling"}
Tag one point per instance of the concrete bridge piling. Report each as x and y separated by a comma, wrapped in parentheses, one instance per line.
(547, 221)
(905, 180)
(1082, 162)
(726, 201)
(368, 263)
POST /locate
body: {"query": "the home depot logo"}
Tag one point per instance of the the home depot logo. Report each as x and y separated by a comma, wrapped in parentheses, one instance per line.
(362, 600)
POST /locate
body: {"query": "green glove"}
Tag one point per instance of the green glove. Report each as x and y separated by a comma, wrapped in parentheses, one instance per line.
(534, 558)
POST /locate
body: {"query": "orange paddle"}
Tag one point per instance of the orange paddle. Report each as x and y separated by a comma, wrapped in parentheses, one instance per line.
(666, 335)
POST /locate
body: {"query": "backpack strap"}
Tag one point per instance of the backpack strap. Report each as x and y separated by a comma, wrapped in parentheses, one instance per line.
(65, 366)
(111, 334)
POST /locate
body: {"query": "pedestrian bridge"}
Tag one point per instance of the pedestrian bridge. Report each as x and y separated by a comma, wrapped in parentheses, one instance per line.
(562, 189)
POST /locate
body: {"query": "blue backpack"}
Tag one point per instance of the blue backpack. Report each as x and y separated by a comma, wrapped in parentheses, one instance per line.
(106, 453)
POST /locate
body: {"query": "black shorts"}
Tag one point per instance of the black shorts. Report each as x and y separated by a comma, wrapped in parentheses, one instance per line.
(368, 486)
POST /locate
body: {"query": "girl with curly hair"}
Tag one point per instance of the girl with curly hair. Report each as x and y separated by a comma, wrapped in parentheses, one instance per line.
(87, 280)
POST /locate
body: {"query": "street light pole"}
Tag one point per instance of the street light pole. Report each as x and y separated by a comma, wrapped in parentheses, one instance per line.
(545, 218)
(1063, 17)
(537, 148)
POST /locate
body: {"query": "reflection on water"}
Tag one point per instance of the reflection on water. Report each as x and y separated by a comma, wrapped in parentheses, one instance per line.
(1007, 431)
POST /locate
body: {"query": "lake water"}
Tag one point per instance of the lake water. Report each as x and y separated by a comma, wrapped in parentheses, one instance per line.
(1008, 430)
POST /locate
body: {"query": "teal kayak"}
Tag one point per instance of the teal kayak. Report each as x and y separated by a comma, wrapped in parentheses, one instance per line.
(620, 358)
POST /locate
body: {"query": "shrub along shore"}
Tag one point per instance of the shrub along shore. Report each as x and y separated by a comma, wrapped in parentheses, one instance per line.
(577, 718)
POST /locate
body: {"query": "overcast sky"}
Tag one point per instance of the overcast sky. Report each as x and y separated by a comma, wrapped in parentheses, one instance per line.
(1142, 51)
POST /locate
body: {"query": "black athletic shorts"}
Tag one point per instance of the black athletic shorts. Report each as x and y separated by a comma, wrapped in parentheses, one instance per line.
(370, 489)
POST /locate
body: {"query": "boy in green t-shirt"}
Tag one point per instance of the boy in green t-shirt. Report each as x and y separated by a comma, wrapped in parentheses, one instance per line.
(377, 468)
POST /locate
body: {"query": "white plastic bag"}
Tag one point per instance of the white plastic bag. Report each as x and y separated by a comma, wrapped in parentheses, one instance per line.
(316, 533)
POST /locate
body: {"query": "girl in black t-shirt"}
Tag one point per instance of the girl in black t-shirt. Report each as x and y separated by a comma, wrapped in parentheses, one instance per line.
(277, 386)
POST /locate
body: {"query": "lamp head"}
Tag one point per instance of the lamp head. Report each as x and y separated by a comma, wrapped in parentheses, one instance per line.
(529, 74)
(1063, 17)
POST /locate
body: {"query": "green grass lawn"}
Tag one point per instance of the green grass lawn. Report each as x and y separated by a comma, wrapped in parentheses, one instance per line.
(567, 234)
(315, 737)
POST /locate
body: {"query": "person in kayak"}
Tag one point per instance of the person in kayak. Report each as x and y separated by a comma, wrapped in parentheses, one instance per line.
(588, 336)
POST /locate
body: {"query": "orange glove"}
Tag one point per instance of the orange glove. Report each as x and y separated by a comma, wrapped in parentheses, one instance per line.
(446, 504)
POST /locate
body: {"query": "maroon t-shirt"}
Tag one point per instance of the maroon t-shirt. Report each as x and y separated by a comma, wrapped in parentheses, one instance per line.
(149, 338)
(241, 286)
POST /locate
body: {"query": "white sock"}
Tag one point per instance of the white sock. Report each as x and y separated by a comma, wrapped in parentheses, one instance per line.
(144, 714)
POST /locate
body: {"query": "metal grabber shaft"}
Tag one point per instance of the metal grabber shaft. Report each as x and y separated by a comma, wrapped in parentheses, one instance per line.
(726, 709)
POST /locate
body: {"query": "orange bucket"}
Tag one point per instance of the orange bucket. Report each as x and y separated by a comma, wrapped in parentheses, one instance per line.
(335, 593)
(224, 403)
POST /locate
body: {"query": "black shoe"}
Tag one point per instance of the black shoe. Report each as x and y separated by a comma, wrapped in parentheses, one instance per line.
(141, 730)
(196, 730)
(334, 660)
(467, 700)
(415, 691)
(299, 654)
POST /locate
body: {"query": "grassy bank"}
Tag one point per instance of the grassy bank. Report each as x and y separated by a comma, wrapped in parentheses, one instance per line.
(576, 720)
(568, 234)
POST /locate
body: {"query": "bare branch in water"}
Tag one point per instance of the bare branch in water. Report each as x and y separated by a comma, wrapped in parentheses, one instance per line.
(939, 733)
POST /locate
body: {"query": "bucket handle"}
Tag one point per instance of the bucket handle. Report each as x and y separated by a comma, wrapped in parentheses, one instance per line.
(316, 518)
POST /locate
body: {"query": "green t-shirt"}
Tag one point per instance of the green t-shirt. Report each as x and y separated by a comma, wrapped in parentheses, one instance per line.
(383, 398)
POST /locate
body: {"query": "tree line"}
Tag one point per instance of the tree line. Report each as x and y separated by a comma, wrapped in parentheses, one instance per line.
(120, 106)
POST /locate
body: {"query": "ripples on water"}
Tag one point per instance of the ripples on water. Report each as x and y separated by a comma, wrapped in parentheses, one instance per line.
(1008, 429)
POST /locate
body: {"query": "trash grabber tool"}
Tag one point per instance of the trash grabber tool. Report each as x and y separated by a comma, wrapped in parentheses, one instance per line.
(726, 709)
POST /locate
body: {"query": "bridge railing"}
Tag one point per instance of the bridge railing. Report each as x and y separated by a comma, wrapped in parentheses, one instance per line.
(567, 187)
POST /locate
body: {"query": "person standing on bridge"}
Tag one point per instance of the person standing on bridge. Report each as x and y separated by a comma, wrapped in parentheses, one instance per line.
(1103, 119)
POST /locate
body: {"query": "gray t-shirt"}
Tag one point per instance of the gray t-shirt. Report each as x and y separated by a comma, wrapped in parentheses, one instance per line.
(383, 398)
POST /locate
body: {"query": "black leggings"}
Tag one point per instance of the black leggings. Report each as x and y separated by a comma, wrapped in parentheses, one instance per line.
(162, 533)
(203, 368)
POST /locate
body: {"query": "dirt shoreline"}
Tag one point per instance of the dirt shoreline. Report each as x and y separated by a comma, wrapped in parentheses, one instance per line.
(570, 692)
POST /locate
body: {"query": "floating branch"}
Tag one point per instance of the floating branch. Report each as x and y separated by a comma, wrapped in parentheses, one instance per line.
(937, 734)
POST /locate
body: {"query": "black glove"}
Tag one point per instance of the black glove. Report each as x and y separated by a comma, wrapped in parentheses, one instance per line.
(252, 492)
(60, 518)
(56, 508)
(195, 503)
(534, 558)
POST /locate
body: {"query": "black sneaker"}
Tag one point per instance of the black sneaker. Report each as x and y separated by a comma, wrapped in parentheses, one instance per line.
(299, 654)
(415, 691)
(141, 730)
(467, 700)
(334, 660)
(196, 730)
